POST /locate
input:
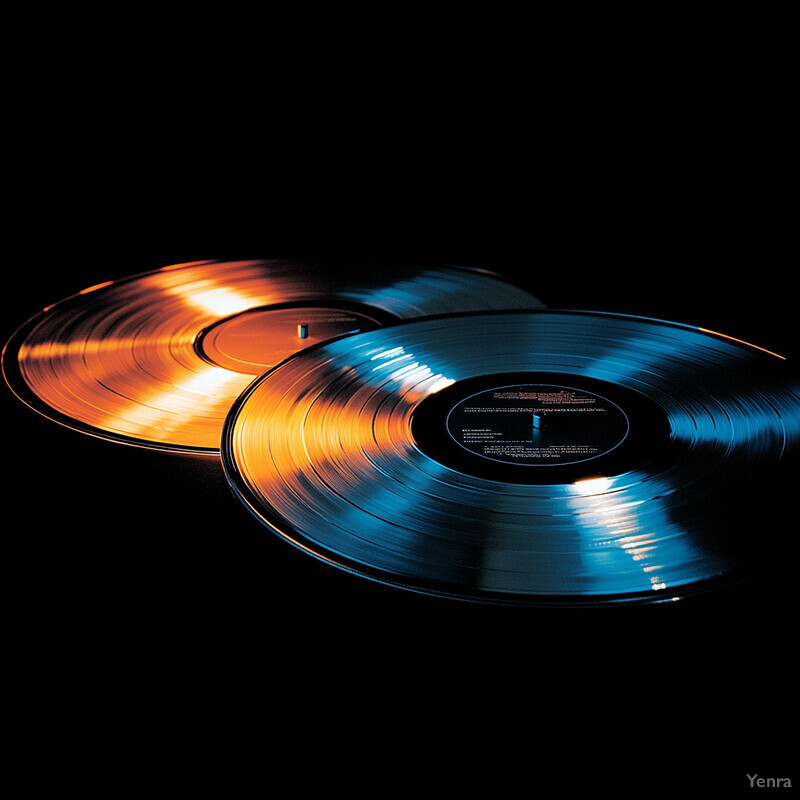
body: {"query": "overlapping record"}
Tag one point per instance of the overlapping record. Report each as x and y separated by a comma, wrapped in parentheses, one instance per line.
(157, 359)
(524, 457)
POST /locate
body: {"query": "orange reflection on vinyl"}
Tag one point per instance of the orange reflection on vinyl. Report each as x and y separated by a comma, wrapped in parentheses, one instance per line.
(157, 359)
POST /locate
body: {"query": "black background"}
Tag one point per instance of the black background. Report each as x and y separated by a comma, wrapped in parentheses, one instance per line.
(146, 604)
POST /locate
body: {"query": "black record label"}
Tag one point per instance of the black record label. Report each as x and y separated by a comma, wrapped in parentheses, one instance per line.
(537, 425)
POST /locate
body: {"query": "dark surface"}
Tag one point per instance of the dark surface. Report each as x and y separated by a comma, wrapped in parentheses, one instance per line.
(143, 593)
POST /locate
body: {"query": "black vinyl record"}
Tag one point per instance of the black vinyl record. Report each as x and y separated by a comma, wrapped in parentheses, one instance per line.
(535, 457)
(156, 359)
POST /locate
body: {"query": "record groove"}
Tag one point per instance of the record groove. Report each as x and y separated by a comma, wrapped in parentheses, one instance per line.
(157, 359)
(333, 451)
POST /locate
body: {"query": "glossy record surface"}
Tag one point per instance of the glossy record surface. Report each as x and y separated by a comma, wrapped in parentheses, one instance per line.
(126, 361)
(322, 451)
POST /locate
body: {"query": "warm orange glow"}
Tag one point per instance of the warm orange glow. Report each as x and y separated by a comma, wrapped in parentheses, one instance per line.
(128, 365)
(741, 341)
(60, 350)
(95, 287)
(197, 405)
(128, 357)
(184, 264)
(217, 300)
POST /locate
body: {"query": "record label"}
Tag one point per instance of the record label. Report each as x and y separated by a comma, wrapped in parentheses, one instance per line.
(524, 457)
(254, 341)
(537, 425)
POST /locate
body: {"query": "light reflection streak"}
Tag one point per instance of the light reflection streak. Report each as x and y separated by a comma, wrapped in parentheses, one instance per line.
(741, 341)
(103, 360)
(218, 301)
(195, 400)
(334, 468)
(615, 527)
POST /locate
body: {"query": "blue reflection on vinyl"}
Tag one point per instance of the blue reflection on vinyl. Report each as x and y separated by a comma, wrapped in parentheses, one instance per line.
(346, 481)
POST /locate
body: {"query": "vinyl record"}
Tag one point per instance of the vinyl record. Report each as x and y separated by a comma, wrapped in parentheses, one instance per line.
(157, 359)
(538, 457)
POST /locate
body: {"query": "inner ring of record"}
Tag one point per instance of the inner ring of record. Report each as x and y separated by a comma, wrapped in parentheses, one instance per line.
(321, 450)
(544, 400)
(130, 360)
